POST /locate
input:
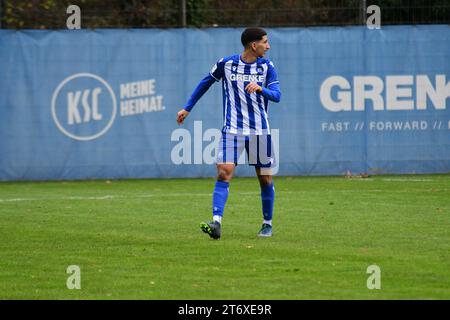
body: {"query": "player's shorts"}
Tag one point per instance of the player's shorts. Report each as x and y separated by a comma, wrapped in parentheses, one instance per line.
(259, 150)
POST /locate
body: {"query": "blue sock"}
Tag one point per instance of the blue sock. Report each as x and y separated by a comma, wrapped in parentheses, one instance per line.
(267, 197)
(220, 196)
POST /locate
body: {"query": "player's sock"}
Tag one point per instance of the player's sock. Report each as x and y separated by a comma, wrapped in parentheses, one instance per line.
(220, 196)
(267, 197)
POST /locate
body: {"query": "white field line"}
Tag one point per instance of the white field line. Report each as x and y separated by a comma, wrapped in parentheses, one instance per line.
(407, 180)
(109, 197)
(391, 179)
(187, 194)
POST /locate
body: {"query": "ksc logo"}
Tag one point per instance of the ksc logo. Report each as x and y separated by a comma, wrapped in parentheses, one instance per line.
(84, 106)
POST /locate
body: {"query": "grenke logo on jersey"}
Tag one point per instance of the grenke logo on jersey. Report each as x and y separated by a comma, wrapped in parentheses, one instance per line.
(246, 77)
(84, 105)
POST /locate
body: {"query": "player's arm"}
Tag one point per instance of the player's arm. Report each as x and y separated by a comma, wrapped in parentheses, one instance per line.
(272, 90)
(215, 74)
(199, 91)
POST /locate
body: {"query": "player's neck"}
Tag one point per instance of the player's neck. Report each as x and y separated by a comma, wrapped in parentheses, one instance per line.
(248, 57)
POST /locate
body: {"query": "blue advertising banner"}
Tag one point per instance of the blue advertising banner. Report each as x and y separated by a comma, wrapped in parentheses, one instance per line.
(86, 104)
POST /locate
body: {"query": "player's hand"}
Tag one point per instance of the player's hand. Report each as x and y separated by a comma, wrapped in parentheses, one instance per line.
(181, 115)
(253, 87)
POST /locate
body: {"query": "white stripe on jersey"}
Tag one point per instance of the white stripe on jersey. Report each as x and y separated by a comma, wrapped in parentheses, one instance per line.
(233, 118)
(256, 106)
(243, 100)
(225, 112)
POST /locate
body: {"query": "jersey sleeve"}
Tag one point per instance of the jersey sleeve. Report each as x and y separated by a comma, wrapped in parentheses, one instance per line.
(216, 73)
(272, 89)
(217, 70)
(272, 76)
(199, 91)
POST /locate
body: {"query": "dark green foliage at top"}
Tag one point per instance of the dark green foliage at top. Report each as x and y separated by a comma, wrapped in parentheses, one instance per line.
(51, 14)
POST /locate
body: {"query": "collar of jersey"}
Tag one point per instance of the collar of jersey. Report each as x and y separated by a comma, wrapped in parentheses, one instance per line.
(242, 60)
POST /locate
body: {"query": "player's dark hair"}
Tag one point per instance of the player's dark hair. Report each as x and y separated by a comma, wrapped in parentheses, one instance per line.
(252, 34)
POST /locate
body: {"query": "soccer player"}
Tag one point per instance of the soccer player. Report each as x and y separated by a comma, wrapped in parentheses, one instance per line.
(249, 81)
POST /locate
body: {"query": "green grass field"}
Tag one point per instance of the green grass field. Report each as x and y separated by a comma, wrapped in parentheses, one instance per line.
(140, 239)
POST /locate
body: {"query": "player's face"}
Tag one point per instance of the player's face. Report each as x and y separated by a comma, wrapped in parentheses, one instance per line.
(262, 46)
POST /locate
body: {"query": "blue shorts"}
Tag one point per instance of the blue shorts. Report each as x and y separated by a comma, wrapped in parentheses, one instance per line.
(259, 150)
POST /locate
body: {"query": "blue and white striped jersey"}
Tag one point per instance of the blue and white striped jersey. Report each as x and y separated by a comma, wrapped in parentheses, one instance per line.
(244, 113)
